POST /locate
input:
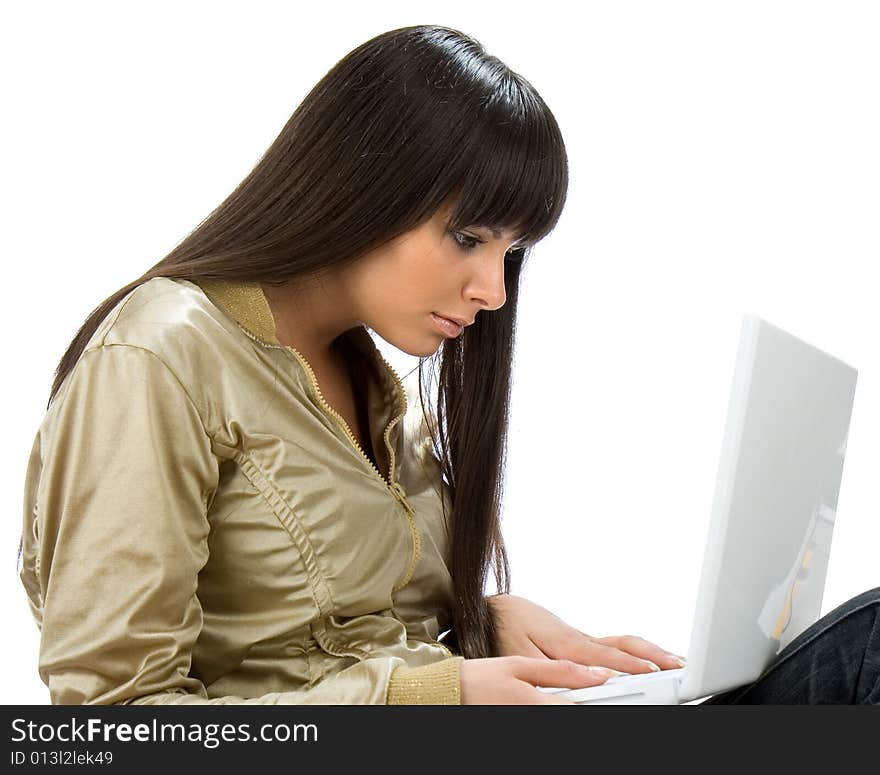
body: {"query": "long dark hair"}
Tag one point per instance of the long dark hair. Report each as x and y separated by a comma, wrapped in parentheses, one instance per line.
(403, 122)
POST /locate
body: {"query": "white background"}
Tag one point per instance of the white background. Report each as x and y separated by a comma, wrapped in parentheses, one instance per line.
(723, 159)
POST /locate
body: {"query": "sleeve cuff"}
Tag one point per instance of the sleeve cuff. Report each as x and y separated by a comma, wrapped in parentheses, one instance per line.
(438, 683)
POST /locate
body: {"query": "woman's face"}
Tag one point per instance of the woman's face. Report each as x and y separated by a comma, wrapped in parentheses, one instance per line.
(405, 289)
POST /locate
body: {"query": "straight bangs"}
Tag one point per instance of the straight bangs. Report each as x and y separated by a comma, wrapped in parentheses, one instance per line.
(516, 175)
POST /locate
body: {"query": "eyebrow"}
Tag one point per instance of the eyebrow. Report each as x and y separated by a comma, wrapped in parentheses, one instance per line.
(497, 234)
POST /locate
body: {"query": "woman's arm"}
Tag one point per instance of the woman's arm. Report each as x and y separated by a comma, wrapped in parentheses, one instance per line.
(121, 535)
(380, 681)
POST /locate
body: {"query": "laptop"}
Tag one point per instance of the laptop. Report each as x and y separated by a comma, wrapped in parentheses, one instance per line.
(769, 535)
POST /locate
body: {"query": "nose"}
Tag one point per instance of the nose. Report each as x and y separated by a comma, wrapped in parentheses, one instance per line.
(486, 284)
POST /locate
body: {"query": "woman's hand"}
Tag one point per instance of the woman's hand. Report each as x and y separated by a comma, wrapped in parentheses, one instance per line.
(513, 680)
(526, 629)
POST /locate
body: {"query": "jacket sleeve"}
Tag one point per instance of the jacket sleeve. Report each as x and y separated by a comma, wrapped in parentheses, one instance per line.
(121, 535)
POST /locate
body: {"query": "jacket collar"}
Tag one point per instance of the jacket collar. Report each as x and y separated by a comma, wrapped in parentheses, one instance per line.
(248, 306)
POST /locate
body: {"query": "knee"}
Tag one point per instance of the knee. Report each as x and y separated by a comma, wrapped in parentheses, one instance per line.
(870, 597)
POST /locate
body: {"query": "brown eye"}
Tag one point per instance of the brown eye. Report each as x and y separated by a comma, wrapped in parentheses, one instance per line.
(469, 243)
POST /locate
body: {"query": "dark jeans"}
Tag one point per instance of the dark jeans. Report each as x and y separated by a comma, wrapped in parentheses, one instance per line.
(835, 661)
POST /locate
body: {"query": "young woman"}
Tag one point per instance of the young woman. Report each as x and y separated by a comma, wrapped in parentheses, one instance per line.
(231, 498)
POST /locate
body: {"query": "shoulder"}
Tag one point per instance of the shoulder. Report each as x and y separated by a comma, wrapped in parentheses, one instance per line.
(165, 316)
(175, 321)
(176, 328)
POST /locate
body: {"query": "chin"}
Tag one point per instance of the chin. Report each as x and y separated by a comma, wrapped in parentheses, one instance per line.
(422, 351)
(421, 347)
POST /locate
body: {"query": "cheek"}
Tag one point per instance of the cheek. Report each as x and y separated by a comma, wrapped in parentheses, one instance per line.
(410, 280)
(433, 273)
(418, 282)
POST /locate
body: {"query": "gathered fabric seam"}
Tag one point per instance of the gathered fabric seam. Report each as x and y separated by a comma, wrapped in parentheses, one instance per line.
(292, 524)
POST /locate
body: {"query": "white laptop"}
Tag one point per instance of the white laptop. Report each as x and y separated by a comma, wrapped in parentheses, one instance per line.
(769, 536)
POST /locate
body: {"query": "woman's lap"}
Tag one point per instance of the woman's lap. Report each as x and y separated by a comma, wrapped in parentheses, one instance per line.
(835, 661)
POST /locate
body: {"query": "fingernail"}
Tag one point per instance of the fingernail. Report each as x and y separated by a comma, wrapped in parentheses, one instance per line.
(654, 667)
(680, 661)
(600, 670)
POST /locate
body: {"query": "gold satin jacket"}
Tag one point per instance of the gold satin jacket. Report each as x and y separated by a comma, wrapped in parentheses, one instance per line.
(201, 527)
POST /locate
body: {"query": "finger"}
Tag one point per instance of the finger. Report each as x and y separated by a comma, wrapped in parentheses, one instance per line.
(643, 650)
(646, 650)
(596, 652)
(560, 673)
(622, 652)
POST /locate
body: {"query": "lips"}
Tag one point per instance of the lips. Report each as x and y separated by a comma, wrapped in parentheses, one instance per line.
(461, 321)
(447, 326)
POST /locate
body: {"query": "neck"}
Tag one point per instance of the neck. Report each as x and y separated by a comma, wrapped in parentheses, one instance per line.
(311, 315)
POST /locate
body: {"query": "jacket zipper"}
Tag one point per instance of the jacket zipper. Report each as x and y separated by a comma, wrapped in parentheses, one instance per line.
(340, 420)
(417, 544)
(396, 490)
